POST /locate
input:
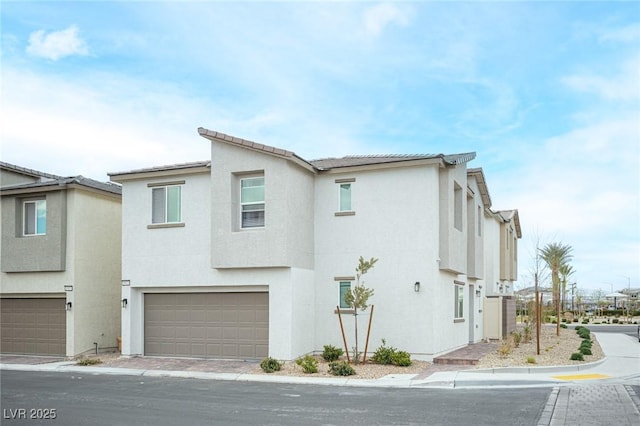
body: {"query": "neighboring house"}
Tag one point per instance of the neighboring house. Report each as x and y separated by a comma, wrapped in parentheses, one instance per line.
(60, 263)
(249, 254)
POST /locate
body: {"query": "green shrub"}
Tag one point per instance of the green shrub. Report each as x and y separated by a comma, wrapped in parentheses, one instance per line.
(575, 320)
(384, 354)
(269, 365)
(526, 333)
(585, 351)
(586, 342)
(401, 359)
(578, 327)
(341, 368)
(585, 321)
(331, 353)
(531, 360)
(553, 321)
(89, 361)
(517, 338)
(563, 325)
(615, 321)
(584, 332)
(564, 320)
(308, 363)
(577, 356)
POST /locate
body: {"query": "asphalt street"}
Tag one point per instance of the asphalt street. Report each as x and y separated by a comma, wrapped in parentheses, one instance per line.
(126, 400)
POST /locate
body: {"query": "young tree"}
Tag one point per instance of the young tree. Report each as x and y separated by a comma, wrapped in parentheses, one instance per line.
(555, 256)
(358, 296)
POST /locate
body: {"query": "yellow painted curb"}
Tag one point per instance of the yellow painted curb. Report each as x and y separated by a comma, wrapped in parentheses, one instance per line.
(582, 376)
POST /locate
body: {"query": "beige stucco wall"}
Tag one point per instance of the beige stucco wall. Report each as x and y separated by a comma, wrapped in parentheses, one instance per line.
(95, 240)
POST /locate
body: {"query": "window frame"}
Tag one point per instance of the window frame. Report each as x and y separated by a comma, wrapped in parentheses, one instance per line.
(343, 285)
(166, 200)
(457, 207)
(345, 210)
(458, 301)
(242, 204)
(40, 204)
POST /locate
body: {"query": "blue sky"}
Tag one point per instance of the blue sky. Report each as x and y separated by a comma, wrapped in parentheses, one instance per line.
(546, 93)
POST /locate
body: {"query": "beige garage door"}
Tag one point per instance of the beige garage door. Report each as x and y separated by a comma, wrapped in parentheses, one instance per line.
(33, 326)
(209, 325)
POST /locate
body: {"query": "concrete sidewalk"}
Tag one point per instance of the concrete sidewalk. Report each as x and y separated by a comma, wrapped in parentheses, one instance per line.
(621, 365)
(598, 393)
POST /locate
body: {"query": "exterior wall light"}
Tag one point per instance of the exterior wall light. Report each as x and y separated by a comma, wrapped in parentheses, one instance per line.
(477, 293)
(124, 303)
(68, 306)
(68, 287)
(126, 283)
(416, 286)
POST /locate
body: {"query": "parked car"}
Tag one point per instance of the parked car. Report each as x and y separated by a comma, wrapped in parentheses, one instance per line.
(638, 332)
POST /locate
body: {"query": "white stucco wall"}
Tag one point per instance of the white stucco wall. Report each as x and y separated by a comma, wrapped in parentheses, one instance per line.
(397, 221)
(178, 259)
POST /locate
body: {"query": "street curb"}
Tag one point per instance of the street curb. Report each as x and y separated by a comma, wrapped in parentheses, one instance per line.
(533, 370)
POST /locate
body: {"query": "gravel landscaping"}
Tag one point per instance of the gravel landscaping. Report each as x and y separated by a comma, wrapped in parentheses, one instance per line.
(554, 350)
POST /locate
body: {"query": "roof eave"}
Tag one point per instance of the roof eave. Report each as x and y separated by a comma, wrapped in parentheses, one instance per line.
(120, 177)
(258, 147)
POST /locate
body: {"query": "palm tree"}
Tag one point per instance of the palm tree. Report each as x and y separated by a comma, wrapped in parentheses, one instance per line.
(565, 272)
(555, 256)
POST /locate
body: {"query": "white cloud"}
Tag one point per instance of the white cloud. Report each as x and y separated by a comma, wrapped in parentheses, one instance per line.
(57, 44)
(627, 34)
(623, 86)
(382, 15)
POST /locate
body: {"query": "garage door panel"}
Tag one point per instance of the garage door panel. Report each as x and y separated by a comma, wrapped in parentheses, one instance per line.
(33, 326)
(207, 324)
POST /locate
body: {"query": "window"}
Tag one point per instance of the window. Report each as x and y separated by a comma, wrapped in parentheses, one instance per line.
(345, 287)
(458, 300)
(252, 202)
(457, 206)
(345, 197)
(345, 207)
(165, 204)
(35, 217)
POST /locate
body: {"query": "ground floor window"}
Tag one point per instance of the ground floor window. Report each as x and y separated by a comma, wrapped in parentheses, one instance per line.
(458, 300)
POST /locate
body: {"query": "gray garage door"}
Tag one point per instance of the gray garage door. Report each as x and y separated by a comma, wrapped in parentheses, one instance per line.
(209, 325)
(33, 326)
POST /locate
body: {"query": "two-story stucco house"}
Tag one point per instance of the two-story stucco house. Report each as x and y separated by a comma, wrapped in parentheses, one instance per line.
(60, 263)
(249, 254)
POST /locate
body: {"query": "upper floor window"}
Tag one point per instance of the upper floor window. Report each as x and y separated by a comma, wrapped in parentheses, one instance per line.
(252, 202)
(457, 206)
(35, 217)
(166, 204)
(345, 207)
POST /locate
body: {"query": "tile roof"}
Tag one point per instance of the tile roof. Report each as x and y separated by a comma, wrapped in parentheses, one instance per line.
(50, 180)
(179, 166)
(332, 163)
(62, 182)
(28, 172)
(363, 160)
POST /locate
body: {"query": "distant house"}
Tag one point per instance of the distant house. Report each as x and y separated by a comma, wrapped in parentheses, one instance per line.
(60, 263)
(249, 254)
